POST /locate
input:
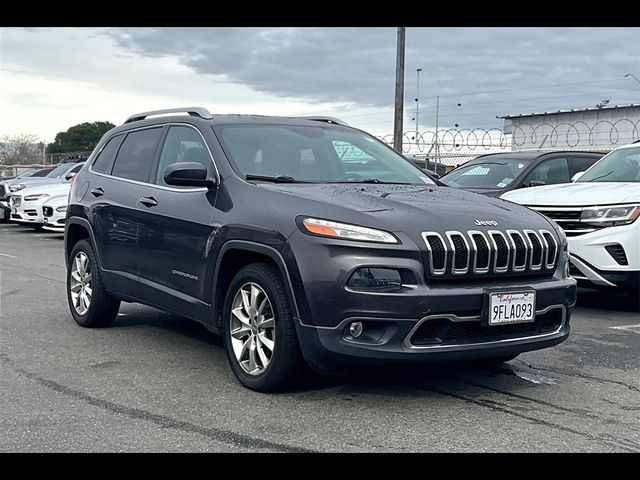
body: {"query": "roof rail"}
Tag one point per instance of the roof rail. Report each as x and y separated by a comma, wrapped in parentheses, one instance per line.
(193, 111)
(334, 120)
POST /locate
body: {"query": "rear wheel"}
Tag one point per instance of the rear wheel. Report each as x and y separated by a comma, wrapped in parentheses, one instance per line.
(259, 333)
(89, 302)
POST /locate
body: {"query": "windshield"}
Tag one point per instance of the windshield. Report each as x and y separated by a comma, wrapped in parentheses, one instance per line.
(488, 174)
(314, 154)
(619, 166)
(58, 171)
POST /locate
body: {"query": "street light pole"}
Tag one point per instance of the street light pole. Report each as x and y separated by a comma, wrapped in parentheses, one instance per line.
(418, 70)
(631, 75)
(398, 112)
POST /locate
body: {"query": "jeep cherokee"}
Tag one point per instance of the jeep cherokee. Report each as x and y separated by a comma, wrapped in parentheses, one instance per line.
(305, 241)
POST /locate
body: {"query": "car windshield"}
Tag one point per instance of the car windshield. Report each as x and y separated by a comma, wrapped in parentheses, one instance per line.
(58, 171)
(487, 174)
(618, 166)
(314, 154)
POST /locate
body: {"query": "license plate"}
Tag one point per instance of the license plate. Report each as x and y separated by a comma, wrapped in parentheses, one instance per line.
(512, 307)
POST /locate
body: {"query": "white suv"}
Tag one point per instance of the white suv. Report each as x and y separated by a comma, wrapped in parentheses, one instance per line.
(599, 214)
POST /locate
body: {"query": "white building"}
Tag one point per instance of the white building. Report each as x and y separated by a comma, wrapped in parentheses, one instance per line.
(597, 128)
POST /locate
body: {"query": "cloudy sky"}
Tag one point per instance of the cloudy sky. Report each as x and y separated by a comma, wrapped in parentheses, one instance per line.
(53, 78)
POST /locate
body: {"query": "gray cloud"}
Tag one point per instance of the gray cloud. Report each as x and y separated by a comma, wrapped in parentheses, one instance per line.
(357, 64)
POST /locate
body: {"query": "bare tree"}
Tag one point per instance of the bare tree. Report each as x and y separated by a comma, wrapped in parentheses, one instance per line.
(22, 149)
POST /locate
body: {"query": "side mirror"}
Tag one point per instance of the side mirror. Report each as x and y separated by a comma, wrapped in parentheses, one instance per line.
(536, 183)
(70, 176)
(577, 176)
(188, 174)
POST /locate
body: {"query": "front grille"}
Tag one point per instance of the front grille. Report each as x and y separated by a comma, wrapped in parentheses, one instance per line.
(443, 331)
(47, 211)
(568, 218)
(493, 253)
(3, 192)
(16, 201)
(618, 253)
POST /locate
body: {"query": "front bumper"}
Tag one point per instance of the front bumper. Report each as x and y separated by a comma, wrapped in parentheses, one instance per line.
(27, 212)
(326, 308)
(593, 264)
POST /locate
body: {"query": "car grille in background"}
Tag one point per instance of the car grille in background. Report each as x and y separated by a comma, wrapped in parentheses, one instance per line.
(493, 252)
(443, 332)
(618, 253)
(16, 201)
(47, 211)
(3, 192)
(568, 218)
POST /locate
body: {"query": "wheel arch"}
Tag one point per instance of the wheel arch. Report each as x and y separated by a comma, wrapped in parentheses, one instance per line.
(77, 229)
(236, 254)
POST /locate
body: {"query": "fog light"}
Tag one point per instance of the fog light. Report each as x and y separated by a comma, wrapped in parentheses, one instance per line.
(375, 279)
(355, 329)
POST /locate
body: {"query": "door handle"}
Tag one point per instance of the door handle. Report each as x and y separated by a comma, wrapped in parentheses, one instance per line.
(149, 201)
(97, 192)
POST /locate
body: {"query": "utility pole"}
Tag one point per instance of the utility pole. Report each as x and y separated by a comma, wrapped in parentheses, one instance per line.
(437, 147)
(418, 70)
(398, 112)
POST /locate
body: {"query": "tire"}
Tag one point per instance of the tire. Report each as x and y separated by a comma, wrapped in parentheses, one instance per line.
(285, 363)
(102, 308)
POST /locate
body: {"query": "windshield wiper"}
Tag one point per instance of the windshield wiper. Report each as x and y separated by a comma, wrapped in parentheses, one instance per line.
(601, 176)
(375, 180)
(275, 179)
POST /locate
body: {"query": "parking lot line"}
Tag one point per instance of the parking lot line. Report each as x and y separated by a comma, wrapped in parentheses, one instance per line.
(631, 328)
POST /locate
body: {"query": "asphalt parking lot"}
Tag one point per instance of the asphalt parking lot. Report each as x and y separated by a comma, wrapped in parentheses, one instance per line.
(155, 382)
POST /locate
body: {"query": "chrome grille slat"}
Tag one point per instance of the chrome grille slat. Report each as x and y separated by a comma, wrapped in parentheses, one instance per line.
(474, 252)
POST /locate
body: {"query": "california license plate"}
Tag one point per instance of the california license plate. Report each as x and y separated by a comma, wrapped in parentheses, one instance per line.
(512, 307)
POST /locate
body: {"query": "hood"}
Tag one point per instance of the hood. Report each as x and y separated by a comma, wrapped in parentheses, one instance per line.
(55, 201)
(408, 208)
(576, 194)
(51, 189)
(36, 181)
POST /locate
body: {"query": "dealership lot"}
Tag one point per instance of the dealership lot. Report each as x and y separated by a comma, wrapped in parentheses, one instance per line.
(155, 382)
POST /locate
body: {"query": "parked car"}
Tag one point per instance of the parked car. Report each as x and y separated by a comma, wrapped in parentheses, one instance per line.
(26, 205)
(497, 173)
(255, 227)
(60, 174)
(599, 214)
(5, 211)
(54, 211)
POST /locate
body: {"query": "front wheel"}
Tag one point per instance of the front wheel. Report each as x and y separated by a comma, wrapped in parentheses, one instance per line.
(89, 302)
(259, 333)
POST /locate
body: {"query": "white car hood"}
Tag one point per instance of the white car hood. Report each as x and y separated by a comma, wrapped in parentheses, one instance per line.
(576, 194)
(52, 189)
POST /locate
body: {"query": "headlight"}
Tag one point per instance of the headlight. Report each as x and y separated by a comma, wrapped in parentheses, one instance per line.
(611, 215)
(38, 196)
(63, 208)
(15, 188)
(327, 228)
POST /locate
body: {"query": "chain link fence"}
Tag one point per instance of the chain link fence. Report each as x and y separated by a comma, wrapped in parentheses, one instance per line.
(48, 160)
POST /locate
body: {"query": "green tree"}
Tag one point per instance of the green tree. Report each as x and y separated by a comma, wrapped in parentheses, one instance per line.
(82, 137)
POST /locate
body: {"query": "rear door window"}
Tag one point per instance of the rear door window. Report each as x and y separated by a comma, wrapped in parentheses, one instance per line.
(103, 163)
(136, 155)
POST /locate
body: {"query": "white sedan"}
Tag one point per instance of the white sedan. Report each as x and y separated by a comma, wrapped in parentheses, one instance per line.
(599, 214)
(26, 205)
(54, 210)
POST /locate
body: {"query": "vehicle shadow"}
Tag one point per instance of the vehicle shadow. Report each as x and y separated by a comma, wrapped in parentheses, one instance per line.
(406, 380)
(598, 299)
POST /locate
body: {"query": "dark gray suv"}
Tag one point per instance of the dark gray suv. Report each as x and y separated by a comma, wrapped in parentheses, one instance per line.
(307, 242)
